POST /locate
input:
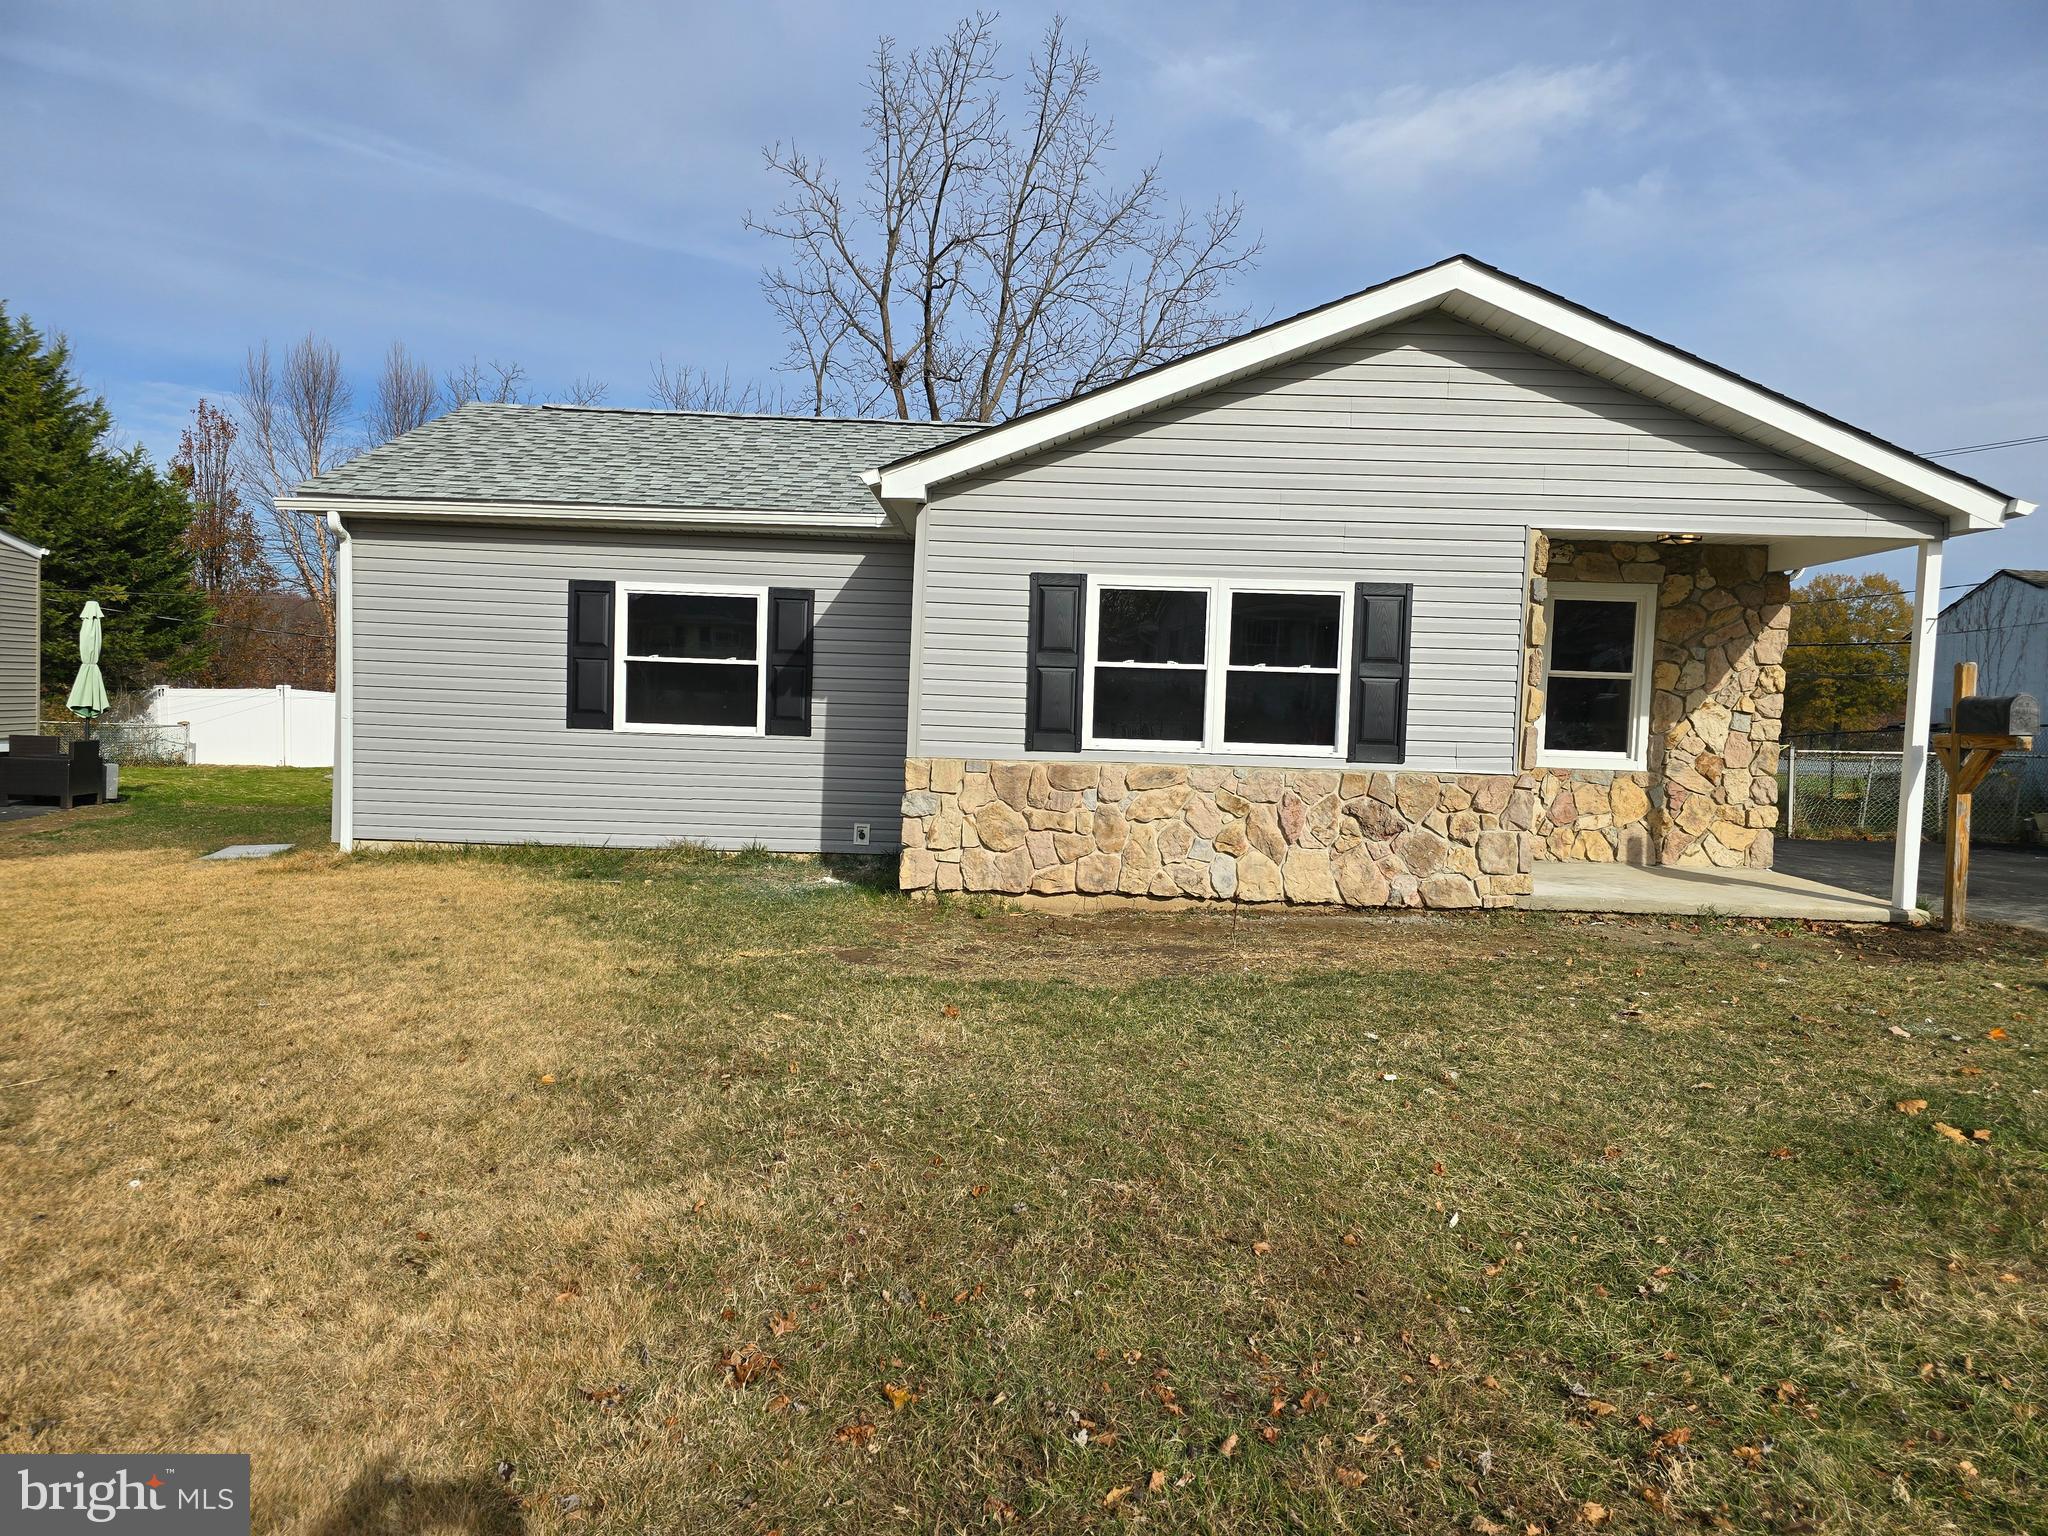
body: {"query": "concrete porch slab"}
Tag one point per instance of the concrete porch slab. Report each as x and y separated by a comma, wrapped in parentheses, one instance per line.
(1696, 892)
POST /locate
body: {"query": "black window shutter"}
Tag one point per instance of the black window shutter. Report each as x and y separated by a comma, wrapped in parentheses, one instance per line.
(590, 655)
(1052, 694)
(789, 660)
(1379, 672)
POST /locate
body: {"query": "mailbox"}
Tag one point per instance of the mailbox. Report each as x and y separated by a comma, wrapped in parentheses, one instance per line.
(2016, 714)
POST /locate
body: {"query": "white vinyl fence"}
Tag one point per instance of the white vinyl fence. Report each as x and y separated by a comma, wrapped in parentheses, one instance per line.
(271, 727)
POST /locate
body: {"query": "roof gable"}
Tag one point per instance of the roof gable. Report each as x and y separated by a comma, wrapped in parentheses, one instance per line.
(1480, 295)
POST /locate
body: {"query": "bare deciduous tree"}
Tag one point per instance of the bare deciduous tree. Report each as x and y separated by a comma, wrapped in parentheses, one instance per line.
(494, 383)
(684, 388)
(587, 391)
(983, 268)
(294, 424)
(404, 397)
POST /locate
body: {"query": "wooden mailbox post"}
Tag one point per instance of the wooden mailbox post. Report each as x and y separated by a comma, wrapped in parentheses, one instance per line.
(1978, 731)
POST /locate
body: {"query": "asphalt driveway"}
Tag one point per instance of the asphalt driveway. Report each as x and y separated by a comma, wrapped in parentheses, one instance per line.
(2007, 885)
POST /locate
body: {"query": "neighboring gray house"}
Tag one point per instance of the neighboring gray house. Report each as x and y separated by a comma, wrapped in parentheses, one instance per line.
(2002, 625)
(21, 634)
(1382, 603)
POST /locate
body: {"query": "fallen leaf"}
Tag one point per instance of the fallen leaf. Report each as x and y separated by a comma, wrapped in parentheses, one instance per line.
(1910, 1106)
(899, 1397)
(1229, 1447)
(546, 1078)
(859, 1432)
(1598, 1407)
(1156, 1481)
(1312, 1399)
(1980, 1134)
(998, 1511)
(748, 1364)
(1903, 1034)
(1994, 1033)
(1781, 1152)
(2008, 1278)
(1593, 1514)
(1270, 1433)
(782, 1323)
(1352, 1239)
(1116, 1496)
(1943, 1128)
(950, 1011)
(1262, 1247)
(1351, 1477)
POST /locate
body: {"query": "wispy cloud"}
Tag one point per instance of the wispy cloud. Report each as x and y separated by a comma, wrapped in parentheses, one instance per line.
(608, 217)
(1473, 131)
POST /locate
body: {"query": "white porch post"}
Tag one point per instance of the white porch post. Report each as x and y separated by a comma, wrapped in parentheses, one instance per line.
(1919, 710)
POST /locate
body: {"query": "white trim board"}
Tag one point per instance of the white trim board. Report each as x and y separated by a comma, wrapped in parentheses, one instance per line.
(21, 545)
(1483, 296)
(598, 515)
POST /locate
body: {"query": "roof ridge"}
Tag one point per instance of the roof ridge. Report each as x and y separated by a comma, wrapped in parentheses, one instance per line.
(777, 416)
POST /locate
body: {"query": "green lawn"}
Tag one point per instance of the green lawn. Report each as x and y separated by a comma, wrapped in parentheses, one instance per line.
(192, 807)
(740, 1194)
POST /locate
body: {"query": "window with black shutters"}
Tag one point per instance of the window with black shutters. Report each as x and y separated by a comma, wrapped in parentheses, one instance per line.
(1595, 687)
(691, 660)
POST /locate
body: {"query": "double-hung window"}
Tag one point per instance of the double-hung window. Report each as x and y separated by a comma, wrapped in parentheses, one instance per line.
(1282, 688)
(1150, 679)
(1216, 667)
(691, 659)
(1596, 694)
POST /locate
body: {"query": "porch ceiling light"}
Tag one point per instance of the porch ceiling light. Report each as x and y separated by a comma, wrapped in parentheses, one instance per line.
(1680, 538)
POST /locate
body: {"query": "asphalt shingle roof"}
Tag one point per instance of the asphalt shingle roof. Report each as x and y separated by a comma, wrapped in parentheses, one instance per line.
(596, 456)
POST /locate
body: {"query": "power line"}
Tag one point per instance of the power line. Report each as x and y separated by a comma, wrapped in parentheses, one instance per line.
(2010, 442)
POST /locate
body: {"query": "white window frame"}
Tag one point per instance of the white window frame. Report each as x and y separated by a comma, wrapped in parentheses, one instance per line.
(1096, 586)
(1342, 592)
(1644, 597)
(759, 661)
(1221, 604)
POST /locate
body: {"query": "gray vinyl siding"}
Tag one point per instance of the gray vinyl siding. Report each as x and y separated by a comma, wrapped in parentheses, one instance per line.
(459, 661)
(1423, 454)
(2003, 627)
(21, 640)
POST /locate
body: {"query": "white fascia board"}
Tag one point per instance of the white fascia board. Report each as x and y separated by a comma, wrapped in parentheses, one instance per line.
(1560, 329)
(21, 546)
(590, 514)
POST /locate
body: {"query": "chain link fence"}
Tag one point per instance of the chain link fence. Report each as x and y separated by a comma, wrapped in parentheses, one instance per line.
(129, 741)
(1828, 793)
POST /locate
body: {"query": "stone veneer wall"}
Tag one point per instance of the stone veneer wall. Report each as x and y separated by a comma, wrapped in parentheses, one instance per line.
(1710, 797)
(1311, 836)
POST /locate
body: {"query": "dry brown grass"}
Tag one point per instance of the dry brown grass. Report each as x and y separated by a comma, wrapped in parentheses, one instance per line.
(1028, 1170)
(282, 1174)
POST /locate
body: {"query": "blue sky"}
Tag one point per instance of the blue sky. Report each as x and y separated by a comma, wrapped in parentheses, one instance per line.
(1847, 202)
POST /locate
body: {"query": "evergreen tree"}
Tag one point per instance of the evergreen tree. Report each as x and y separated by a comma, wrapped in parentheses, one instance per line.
(116, 529)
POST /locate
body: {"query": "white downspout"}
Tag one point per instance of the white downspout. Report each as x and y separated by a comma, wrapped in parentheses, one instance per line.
(1919, 711)
(342, 816)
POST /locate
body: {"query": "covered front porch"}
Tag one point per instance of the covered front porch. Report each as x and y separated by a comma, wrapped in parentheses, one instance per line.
(1704, 681)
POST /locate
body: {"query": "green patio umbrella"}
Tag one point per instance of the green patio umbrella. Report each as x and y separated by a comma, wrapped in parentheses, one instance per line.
(88, 698)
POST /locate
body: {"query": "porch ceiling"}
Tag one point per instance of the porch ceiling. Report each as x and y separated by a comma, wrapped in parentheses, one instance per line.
(1783, 554)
